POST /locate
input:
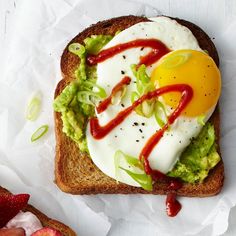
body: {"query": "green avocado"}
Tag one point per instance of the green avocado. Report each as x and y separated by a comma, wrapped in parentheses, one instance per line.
(198, 158)
(76, 101)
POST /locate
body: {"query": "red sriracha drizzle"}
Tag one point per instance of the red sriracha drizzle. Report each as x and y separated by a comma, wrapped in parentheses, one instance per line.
(172, 205)
(98, 132)
(158, 50)
(105, 103)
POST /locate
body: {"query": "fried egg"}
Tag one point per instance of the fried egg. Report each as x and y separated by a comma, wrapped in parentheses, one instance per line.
(187, 63)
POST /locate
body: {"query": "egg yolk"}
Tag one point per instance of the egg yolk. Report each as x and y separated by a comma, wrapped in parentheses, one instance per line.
(194, 68)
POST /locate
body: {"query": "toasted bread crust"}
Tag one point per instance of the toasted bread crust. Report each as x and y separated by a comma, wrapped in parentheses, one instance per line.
(45, 221)
(75, 172)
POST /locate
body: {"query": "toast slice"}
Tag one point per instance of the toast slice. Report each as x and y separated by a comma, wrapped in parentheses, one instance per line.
(75, 172)
(45, 221)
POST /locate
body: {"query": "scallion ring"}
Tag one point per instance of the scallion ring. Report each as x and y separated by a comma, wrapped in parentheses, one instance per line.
(33, 108)
(39, 133)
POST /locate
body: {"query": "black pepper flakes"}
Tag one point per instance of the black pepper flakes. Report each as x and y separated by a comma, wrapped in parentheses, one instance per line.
(122, 72)
(143, 124)
(122, 105)
(137, 140)
(136, 123)
(142, 49)
(124, 57)
(140, 131)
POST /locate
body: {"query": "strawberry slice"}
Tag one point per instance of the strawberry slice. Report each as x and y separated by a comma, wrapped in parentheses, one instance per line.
(11, 232)
(46, 231)
(10, 205)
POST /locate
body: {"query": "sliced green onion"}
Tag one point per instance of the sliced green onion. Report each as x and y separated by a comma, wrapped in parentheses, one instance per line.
(159, 112)
(135, 97)
(147, 108)
(132, 161)
(117, 97)
(133, 68)
(92, 84)
(88, 97)
(33, 108)
(144, 180)
(116, 163)
(140, 87)
(117, 32)
(142, 75)
(147, 87)
(39, 133)
(77, 49)
(173, 61)
(143, 85)
(159, 121)
(137, 172)
(201, 119)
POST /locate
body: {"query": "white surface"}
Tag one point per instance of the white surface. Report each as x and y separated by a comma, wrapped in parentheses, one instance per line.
(31, 62)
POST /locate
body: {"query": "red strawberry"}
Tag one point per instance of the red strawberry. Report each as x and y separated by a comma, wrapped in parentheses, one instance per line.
(46, 231)
(10, 205)
(11, 232)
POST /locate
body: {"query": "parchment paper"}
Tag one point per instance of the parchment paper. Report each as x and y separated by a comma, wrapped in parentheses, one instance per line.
(32, 63)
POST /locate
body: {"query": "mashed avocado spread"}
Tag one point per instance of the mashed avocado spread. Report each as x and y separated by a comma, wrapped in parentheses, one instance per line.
(76, 104)
(198, 158)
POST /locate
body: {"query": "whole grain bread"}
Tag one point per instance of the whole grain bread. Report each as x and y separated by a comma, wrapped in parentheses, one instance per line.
(75, 172)
(45, 220)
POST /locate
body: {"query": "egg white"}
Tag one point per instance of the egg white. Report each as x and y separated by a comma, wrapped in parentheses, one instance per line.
(128, 137)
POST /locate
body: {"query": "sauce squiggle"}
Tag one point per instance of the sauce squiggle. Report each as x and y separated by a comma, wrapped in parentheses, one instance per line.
(159, 49)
